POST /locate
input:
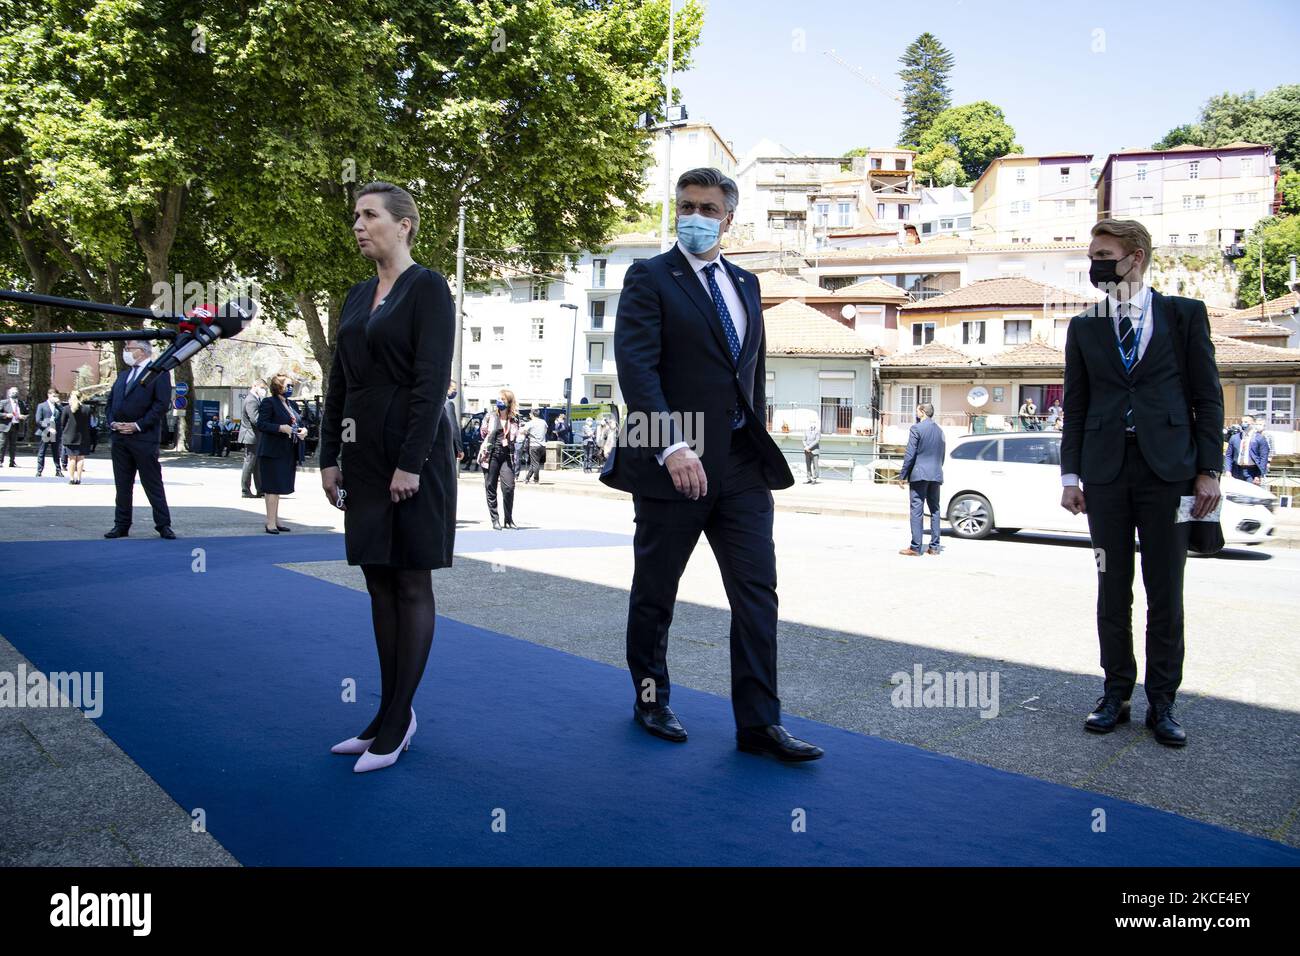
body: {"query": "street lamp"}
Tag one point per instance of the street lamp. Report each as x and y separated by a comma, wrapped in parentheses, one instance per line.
(573, 348)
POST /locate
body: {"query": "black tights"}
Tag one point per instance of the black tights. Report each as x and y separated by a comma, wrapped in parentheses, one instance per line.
(402, 608)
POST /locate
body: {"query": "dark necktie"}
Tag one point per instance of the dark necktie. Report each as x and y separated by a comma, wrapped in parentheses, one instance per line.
(729, 327)
(1128, 343)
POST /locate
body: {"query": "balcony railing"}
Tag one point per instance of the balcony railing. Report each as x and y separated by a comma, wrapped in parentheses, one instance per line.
(833, 417)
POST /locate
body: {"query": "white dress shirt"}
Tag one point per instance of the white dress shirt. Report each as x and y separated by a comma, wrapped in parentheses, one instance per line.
(730, 295)
(1139, 313)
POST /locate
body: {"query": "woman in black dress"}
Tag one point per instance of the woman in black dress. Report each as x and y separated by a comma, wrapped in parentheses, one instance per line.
(281, 432)
(397, 483)
(76, 436)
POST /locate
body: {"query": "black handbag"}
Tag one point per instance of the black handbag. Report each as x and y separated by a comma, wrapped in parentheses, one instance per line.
(1205, 537)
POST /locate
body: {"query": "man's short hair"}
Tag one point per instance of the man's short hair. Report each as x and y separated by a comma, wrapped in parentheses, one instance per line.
(143, 344)
(708, 176)
(1132, 235)
(927, 408)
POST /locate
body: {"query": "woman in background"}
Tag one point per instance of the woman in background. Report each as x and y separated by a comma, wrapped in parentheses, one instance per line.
(277, 449)
(76, 436)
(500, 431)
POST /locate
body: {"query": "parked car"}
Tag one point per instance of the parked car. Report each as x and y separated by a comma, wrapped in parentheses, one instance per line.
(1010, 481)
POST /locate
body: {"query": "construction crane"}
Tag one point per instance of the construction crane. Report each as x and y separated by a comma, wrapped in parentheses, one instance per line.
(894, 95)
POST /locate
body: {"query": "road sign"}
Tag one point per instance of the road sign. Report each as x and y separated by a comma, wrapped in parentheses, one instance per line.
(179, 403)
(182, 389)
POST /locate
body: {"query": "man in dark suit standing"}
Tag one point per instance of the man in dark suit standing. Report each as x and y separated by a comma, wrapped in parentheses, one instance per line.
(135, 417)
(923, 471)
(453, 421)
(1247, 454)
(695, 455)
(1143, 428)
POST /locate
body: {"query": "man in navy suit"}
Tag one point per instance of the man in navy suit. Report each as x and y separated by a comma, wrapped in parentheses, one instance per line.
(1143, 429)
(923, 471)
(695, 454)
(135, 417)
(1247, 454)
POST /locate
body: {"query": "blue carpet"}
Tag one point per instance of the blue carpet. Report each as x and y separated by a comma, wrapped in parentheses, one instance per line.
(231, 706)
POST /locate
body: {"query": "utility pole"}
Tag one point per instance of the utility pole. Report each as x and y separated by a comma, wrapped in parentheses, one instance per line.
(456, 355)
(669, 199)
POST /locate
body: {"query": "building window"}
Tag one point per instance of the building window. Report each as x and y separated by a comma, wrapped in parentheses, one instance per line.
(541, 290)
(603, 391)
(534, 368)
(1199, 202)
(1238, 198)
(598, 314)
(823, 213)
(473, 373)
(14, 367)
(900, 165)
(1142, 172)
(475, 333)
(498, 334)
(1065, 175)
(922, 333)
(880, 210)
(1248, 166)
(1024, 207)
(909, 396)
(1015, 331)
(1273, 403)
(903, 210)
(1194, 169)
(1173, 238)
(692, 139)
(598, 273)
(538, 327)
(1060, 207)
(963, 222)
(972, 333)
(845, 211)
(496, 373)
(778, 199)
(1254, 197)
(945, 224)
(1193, 238)
(875, 163)
(1187, 202)
(595, 356)
(1059, 329)
(1020, 177)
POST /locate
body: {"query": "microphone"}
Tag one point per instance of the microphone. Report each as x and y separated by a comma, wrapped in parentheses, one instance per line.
(202, 327)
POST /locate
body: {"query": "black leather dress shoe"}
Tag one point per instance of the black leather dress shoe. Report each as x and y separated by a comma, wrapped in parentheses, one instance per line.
(116, 533)
(661, 722)
(776, 740)
(167, 533)
(1109, 712)
(1167, 730)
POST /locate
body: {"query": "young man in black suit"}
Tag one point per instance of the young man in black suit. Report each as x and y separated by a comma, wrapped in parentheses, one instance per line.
(134, 415)
(1143, 428)
(689, 345)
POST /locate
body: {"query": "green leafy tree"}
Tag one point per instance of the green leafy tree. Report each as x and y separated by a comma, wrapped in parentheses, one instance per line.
(1288, 187)
(926, 65)
(1272, 119)
(978, 132)
(940, 166)
(1280, 239)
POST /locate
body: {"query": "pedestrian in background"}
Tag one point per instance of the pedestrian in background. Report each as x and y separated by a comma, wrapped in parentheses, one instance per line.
(536, 446)
(76, 435)
(48, 433)
(923, 471)
(11, 419)
(812, 443)
(251, 475)
(282, 432)
(499, 432)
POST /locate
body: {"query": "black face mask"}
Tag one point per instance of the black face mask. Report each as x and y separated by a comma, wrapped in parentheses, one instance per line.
(1104, 273)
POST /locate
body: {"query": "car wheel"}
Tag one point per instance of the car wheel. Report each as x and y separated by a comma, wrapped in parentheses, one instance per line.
(971, 516)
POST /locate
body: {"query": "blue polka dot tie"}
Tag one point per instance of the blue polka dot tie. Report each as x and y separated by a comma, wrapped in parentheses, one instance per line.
(733, 340)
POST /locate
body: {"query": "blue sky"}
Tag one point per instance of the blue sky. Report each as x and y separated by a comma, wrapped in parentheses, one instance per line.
(1161, 61)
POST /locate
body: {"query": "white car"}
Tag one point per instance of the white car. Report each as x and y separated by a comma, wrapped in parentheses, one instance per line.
(1011, 480)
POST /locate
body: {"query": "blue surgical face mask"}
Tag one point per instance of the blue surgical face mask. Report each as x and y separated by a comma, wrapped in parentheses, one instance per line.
(288, 390)
(698, 233)
(452, 393)
(501, 406)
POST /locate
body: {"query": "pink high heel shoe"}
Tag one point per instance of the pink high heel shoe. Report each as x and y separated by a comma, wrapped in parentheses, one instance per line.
(368, 761)
(356, 745)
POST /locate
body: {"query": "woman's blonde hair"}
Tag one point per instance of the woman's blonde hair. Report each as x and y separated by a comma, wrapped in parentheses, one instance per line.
(397, 201)
(512, 404)
(74, 399)
(1131, 234)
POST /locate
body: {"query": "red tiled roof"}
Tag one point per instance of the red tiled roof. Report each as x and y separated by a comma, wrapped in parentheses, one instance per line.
(934, 354)
(871, 287)
(1033, 352)
(1013, 292)
(796, 329)
(1229, 351)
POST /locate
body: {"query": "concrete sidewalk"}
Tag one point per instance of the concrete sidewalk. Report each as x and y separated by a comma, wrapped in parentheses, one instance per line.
(835, 497)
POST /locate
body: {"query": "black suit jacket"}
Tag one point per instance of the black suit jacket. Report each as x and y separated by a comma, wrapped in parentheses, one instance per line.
(145, 406)
(273, 443)
(1179, 424)
(672, 357)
